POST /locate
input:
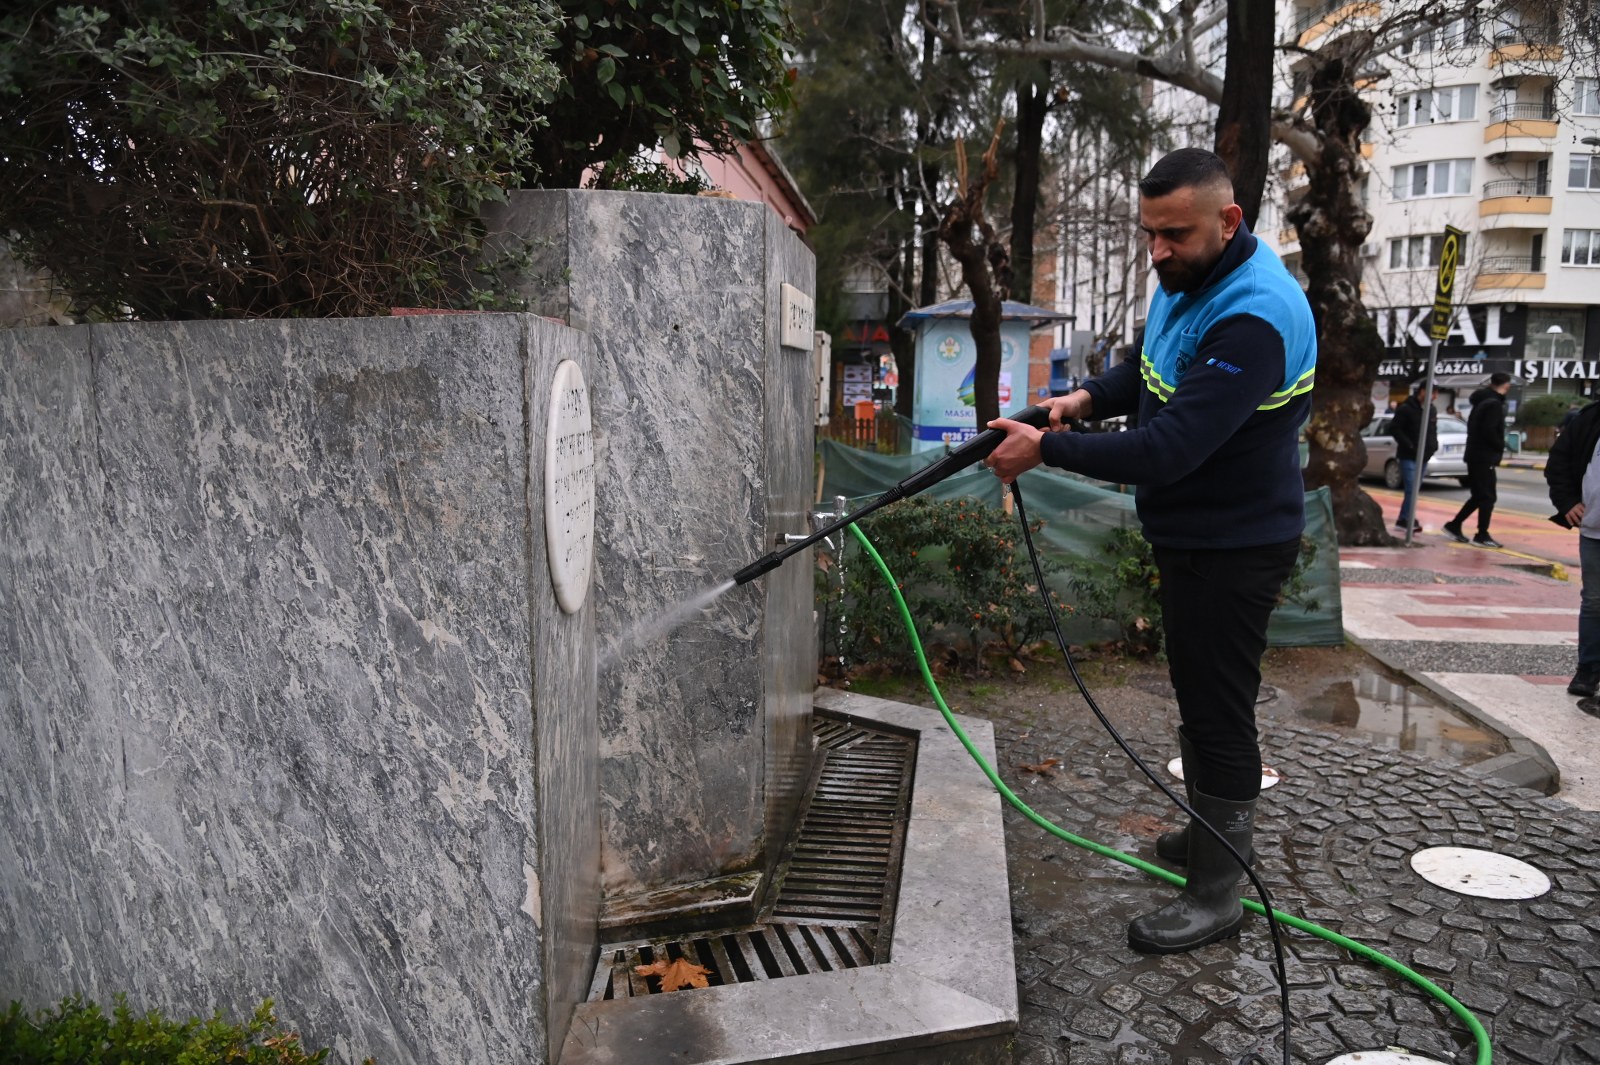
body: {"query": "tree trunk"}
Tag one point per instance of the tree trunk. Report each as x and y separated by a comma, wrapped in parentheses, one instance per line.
(1332, 224)
(971, 240)
(1244, 118)
(1033, 104)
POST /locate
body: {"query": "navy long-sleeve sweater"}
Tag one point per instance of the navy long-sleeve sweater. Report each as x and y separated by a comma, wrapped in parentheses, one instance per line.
(1222, 388)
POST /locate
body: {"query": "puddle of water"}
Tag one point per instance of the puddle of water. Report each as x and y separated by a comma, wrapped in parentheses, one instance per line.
(1393, 715)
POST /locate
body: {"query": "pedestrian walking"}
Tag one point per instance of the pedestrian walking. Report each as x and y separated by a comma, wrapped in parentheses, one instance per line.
(1574, 479)
(1405, 427)
(1221, 388)
(1486, 446)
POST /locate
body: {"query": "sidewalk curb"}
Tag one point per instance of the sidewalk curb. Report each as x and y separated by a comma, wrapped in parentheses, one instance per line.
(1526, 765)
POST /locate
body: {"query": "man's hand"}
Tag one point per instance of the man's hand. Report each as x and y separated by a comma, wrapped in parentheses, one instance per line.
(1574, 516)
(1078, 404)
(1018, 452)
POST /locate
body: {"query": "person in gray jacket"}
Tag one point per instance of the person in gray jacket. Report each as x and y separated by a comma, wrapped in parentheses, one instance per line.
(1574, 479)
(1486, 445)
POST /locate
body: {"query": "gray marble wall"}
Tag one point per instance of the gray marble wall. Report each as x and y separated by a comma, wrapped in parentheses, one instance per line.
(704, 449)
(289, 708)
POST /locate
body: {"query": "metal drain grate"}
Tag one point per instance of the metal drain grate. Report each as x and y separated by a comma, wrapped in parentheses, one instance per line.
(837, 878)
(843, 863)
(761, 952)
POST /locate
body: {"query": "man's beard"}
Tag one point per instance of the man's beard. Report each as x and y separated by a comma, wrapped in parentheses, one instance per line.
(1178, 278)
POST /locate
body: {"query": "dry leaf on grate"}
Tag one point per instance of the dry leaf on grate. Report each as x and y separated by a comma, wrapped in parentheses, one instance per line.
(675, 974)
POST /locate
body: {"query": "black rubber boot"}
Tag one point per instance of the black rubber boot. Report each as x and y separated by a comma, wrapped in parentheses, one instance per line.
(1174, 846)
(1209, 907)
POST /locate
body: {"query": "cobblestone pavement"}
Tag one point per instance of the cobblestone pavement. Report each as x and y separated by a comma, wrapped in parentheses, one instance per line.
(1335, 837)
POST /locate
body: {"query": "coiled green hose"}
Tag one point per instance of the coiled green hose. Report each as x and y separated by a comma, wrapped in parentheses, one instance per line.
(1361, 950)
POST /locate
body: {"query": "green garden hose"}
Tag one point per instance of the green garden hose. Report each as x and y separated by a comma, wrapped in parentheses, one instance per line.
(1361, 950)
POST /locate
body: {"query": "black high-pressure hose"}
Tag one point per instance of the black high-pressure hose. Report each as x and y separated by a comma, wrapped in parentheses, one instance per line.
(979, 448)
(975, 450)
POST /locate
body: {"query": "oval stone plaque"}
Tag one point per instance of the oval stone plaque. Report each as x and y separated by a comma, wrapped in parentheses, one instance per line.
(569, 487)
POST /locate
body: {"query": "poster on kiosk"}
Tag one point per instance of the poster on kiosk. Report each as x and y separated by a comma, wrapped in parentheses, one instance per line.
(945, 413)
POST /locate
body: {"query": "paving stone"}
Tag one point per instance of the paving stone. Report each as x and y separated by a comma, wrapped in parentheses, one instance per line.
(1356, 1034)
(1260, 1013)
(1228, 1039)
(1157, 1026)
(1095, 1022)
(1355, 1003)
(1187, 1008)
(1434, 960)
(1121, 997)
(1544, 994)
(1072, 982)
(1481, 999)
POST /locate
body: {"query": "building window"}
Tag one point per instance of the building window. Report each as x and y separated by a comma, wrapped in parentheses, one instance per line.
(1443, 177)
(1580, 247)
(1586, 99)
(1456, 104)
(1583, 172)
(1419, 252)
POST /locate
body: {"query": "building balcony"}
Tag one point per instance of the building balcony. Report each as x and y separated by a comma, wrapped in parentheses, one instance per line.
(1522, 127)
(1514, 203)
(1510, 272)
(1321, 19)
(1525, 45)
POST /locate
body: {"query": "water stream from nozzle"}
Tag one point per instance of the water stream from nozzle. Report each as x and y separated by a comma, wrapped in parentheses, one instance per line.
(648, 630)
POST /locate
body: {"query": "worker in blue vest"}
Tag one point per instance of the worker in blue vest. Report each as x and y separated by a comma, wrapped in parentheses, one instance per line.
(1221, 390)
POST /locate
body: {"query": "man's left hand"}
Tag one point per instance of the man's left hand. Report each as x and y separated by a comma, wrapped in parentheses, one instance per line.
(1018, 452)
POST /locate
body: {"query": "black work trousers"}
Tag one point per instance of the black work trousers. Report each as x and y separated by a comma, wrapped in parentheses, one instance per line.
(1481, 483)
(1214, 609)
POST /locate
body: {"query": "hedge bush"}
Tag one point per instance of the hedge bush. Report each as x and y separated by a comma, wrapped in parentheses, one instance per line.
(77, 1032)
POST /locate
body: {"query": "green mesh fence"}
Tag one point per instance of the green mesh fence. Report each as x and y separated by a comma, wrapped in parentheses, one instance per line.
(1079, 515)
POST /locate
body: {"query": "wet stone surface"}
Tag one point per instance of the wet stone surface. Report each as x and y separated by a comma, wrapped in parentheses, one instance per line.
(1335, 839)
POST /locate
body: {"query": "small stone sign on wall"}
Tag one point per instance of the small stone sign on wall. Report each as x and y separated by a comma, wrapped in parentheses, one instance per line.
(569, 487)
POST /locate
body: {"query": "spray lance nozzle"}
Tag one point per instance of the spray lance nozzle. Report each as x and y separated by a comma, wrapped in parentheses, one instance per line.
(957, 459)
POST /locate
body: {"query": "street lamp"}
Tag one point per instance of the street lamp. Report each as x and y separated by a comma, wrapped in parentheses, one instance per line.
(1553, 332)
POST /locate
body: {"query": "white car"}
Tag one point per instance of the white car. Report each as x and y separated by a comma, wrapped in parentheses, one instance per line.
(1449, 461)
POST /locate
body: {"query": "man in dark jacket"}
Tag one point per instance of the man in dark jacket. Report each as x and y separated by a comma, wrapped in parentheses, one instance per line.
(1486, 444)
(1221, 387)
(1405, 427)
(1574, 479)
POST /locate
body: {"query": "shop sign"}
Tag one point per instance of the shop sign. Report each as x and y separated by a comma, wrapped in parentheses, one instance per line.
(1531, 370)
(1480, 327)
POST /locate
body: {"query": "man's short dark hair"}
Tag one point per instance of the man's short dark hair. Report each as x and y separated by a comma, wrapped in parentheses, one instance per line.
(1185, 168)
(1498, 379)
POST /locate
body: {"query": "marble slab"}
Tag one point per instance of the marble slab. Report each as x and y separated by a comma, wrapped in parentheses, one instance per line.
(290, 708)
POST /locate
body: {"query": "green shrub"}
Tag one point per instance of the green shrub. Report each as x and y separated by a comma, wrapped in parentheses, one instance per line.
(1126, 588)
(78, 1033)
(180, 159)
(1545, 409)
(965, 576)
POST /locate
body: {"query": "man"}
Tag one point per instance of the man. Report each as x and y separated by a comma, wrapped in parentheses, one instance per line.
(1486, 445)
(1574, 479)
(1221, 389)
(1405, 427)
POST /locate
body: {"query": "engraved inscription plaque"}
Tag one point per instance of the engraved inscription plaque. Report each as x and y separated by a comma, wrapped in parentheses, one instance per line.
(799, 318)
(569, 487)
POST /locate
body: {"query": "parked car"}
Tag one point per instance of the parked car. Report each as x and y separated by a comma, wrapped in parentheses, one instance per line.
(1448, 461)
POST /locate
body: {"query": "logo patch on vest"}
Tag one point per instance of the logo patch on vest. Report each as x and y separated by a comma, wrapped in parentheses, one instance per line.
(1219, 364)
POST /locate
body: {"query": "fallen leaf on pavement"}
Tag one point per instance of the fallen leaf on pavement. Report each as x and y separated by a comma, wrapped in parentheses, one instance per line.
(1045, 768)
(676, 974)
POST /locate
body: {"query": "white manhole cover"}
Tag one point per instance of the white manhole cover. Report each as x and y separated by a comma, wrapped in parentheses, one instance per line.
(1382, 1057)
(1269, 775)
(1483, 874)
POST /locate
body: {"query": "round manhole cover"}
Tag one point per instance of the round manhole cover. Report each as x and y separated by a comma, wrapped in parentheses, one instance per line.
(1382, 1057)
(1482, 874)
(1269, 775)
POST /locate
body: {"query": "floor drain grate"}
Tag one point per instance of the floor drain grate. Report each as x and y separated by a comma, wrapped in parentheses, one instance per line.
(834, 904)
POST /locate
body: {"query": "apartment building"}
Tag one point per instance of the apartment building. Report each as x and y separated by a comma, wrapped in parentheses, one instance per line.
(1493, 127)
(1489, 125)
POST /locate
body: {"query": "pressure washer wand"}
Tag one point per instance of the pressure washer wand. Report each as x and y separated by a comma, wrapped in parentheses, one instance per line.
(975, 450)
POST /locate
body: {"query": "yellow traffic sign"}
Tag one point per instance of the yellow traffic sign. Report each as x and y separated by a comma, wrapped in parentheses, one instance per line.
(1444, 294)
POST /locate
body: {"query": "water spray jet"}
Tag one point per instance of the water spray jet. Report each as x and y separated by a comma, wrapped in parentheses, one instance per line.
(973, 451)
